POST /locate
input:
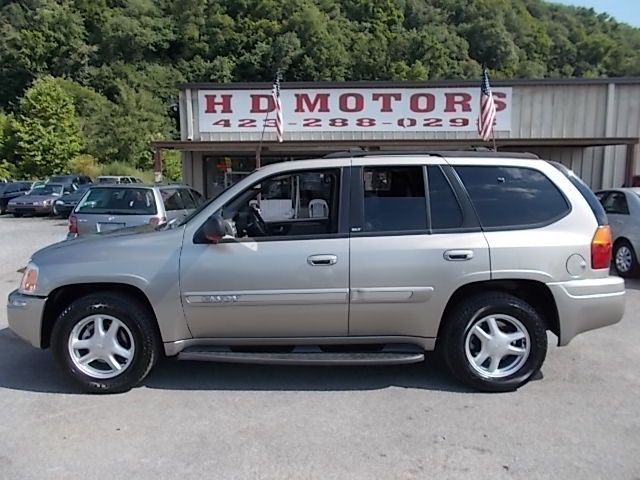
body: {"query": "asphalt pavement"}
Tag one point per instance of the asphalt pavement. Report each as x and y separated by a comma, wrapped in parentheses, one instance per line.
(579, 419)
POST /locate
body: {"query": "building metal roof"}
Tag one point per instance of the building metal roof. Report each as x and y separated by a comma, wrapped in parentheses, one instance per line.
(412, 84)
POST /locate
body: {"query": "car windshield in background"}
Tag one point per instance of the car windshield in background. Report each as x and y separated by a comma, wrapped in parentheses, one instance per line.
(47, 189)
(58, 179)
(118, 201)
(107, 179)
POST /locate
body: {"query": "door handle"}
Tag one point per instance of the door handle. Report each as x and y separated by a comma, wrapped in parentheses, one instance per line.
(322, 260)
(458, 255)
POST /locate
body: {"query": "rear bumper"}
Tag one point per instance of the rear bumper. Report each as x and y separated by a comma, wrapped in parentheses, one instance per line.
(585, 305)
(24, 313)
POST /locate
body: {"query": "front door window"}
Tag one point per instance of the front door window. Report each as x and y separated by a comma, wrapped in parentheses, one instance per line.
(292, 204)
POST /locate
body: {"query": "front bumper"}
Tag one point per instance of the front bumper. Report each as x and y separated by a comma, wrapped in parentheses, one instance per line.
(24, 313)
(64, 210)
(29, 209)
(585, 305)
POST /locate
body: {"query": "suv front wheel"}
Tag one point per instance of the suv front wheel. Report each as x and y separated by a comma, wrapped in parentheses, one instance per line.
(494, 342)
(106, 342)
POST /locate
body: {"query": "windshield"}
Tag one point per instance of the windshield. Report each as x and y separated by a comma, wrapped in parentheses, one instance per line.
(107, 179)
(118, 201)
(47, 189)
(59, 179)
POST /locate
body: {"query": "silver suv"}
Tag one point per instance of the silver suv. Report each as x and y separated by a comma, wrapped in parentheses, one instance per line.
(354, 259)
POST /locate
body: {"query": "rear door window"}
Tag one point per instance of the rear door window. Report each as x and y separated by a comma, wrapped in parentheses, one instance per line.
(616, 204)
(187, 200)
(512, 197)
(445, 209)
(394, 199)
(172, 199)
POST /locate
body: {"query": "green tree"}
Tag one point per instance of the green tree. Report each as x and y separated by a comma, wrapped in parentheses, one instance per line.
(47, 130)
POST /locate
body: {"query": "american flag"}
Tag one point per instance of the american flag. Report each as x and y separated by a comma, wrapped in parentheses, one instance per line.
(487, 108)
(275, 92)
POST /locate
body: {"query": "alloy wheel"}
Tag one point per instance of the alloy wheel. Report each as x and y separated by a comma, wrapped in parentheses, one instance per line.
(101, 346)
(497, 346)
(624, 259)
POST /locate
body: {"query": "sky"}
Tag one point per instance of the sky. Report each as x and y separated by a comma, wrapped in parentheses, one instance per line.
(623, 10)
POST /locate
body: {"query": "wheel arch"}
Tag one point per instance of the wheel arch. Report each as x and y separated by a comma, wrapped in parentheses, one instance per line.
(535, 293)
(62, 297)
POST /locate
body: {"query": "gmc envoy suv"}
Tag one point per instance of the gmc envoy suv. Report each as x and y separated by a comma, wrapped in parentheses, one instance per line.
(353, 259)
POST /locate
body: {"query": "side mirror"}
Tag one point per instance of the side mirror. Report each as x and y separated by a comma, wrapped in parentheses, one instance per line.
(214, 229)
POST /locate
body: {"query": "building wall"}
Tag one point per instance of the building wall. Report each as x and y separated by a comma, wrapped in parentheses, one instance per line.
(539, 111)
(597, 119)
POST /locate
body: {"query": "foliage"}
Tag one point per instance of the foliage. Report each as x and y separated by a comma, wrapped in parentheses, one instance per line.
(85, 165)
(171, 165)
(119, 61)
(47, 130)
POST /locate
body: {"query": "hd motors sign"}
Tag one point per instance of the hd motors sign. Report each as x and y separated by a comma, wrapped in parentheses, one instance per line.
(350, 109)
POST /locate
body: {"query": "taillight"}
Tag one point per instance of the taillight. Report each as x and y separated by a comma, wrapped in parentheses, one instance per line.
(601, 248)
(73, 224)
(157, 220)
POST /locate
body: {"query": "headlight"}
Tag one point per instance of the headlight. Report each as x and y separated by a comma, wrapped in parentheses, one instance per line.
(29, 279)
(37, 203)
(47, 202)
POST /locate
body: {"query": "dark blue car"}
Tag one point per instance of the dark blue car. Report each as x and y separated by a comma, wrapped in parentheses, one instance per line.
(12, 190)
(67, 203)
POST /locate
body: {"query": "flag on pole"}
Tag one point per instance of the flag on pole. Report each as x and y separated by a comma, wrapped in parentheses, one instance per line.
(487, 108)
(275, 92)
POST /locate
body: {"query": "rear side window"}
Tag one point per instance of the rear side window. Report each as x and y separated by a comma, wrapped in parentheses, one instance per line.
(394, 199)
(585, 191)
(512, 197)
(445, 209)
(172, 199)
(118, 201)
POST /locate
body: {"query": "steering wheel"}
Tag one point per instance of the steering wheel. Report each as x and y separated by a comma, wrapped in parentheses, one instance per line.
(256, 221)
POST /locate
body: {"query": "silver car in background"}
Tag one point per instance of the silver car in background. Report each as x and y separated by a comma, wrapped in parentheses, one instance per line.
(112, 207)
(623, 209)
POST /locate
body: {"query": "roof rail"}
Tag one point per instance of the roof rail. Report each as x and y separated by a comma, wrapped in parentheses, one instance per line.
(471, 152)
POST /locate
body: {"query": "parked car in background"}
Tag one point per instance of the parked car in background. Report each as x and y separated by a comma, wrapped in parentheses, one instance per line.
(477, 255)
(112, 207)
(39, 200)
(11, 190)
(69, 179)
(35, 183)
(623, 209)
(65, 205)
(113, 179)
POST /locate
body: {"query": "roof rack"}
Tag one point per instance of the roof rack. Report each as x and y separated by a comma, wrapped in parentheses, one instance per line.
(470, 152)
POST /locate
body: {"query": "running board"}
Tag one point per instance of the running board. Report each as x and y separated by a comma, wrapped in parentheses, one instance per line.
(303, 358)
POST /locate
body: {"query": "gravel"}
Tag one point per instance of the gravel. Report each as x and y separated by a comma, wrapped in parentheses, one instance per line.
(580, 419)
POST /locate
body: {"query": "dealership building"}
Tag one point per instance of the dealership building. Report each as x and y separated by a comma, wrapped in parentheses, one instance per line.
(590, 125)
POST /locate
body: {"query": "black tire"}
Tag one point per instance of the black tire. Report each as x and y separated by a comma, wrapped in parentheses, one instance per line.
(137, 319)
(464, 317)
(17, 215)
(634, 268)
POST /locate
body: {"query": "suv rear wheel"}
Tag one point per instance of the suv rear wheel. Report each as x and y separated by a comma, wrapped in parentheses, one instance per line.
(494, 342)
(106, 342)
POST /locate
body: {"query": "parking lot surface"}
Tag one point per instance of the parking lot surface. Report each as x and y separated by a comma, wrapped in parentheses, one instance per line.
(579, 419)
